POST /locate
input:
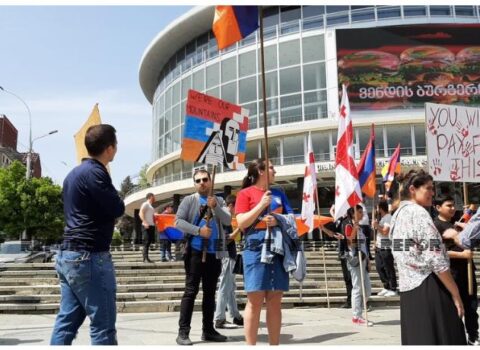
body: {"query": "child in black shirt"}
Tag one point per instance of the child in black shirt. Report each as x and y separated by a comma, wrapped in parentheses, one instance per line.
(459, 257)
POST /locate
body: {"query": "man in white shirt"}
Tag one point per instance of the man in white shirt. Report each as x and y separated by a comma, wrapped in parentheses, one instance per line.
(146, 214)
(383, 252)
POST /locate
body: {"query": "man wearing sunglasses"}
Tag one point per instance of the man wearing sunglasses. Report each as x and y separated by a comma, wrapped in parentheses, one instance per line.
(191, 220)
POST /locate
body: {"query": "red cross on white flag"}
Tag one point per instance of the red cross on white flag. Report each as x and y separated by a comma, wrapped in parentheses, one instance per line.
(309, 187)
(347, 187)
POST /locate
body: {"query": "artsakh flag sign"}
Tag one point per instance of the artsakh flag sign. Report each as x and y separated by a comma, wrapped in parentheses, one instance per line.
(215, 131)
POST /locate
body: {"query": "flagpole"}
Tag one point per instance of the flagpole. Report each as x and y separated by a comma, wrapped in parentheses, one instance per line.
(264, 97)
(375, 177)
(320, 230)
(469, 261)
(362, 278)
(265, 125)
(322, 249)
(209, 216)
(374, 218)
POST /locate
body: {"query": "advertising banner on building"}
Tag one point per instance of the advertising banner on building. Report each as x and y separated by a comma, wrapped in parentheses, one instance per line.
(401, 67)
(453, 142)
(215, 131)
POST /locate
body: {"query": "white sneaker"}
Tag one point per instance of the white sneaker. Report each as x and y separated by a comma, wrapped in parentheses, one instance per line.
(474, 342)
(383, 292)
(390, 293)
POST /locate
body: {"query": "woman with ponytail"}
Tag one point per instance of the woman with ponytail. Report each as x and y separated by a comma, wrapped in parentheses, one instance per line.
(262, 282)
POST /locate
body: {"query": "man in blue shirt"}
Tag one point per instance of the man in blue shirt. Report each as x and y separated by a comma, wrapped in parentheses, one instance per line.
(191, 221)
(83, 263)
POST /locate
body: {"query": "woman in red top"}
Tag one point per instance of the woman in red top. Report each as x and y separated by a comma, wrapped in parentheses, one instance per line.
(262, 282)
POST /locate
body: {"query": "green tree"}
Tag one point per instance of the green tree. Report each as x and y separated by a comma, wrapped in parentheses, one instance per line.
(34, 204)
(11, 212)
(125, 187)
(116, 238)
(126, 223)
(142, 177)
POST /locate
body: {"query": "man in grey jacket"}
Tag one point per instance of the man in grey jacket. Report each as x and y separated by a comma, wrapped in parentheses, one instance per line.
(190, 219)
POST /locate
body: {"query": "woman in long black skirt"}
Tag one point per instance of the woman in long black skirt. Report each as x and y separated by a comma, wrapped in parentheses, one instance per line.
(431, 309)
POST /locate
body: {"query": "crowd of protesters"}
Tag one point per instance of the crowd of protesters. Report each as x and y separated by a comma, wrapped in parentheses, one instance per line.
(433, 271)
(433, 278)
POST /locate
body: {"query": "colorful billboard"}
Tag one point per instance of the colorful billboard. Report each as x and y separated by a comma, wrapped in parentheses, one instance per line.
(215, 131)
(405, 66)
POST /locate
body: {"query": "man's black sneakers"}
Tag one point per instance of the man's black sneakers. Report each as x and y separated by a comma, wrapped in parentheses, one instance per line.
(220, 324)
(213, 335)
(183, 338)
(238, 321)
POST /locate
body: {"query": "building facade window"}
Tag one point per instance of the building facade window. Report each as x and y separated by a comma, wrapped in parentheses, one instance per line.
(387, 12)
(297, 78)
(291, 149)
(399, 134)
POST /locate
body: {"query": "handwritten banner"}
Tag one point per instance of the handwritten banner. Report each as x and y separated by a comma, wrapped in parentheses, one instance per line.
(215, 131)
(453, 142)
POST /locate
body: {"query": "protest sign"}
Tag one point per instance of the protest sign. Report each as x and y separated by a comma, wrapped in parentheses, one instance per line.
(215, 131)
(453, 142)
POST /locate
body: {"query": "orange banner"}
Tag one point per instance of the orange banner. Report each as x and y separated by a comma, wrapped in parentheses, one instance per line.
(163, 221)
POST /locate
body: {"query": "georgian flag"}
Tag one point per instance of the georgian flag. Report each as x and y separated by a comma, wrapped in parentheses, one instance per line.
(309, 187)
(347, 186)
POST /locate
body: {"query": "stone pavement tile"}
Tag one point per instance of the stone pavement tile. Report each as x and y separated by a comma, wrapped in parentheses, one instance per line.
(312, 326)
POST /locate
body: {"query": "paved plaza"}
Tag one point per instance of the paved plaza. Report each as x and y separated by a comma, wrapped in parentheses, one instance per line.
(312, 326)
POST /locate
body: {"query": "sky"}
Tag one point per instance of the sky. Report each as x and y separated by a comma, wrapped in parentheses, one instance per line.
(63, 60)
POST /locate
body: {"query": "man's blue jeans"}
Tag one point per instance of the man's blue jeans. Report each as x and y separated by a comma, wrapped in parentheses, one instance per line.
(88, 288)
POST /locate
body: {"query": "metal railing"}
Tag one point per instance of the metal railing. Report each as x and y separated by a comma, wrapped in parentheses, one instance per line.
(278, 161)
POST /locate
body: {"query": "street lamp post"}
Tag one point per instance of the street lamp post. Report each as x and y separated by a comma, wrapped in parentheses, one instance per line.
(30, 151)
(29, 170)
(30, 140)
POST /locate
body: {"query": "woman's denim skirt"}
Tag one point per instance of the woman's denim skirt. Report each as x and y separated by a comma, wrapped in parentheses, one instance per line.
(259, 276)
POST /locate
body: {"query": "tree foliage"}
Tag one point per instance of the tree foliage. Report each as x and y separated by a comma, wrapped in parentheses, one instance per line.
(126, 223)
(142, 177)
(34, 204)
(125, 187)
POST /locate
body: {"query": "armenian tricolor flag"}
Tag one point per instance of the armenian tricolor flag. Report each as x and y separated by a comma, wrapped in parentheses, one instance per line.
(366, 167)
(233, 23)
(392, 167)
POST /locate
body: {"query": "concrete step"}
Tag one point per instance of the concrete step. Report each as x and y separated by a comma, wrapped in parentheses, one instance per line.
(174, 305)
(335, 275)
(170, 295)
(145, 270)
(38, 275)
(137, 264)
(164, 287)
(145, 287)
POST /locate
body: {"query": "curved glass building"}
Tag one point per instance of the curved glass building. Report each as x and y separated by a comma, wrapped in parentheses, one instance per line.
(303, 49)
